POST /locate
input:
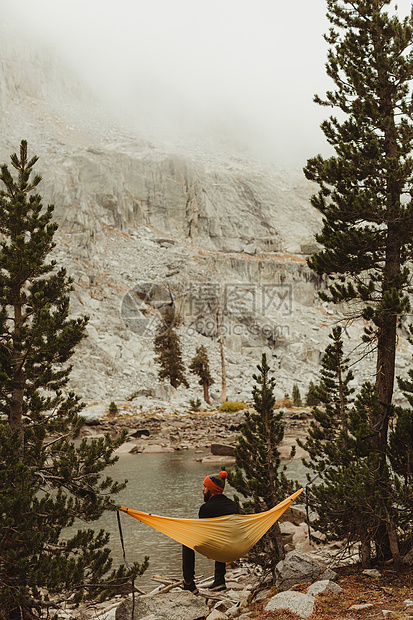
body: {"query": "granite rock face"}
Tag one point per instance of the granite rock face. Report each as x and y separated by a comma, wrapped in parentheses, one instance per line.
(201, 226)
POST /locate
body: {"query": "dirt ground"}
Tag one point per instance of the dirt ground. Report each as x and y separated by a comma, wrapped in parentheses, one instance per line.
(388, 595)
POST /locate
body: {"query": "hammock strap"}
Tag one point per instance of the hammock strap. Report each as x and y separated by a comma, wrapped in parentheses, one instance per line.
(126, 562)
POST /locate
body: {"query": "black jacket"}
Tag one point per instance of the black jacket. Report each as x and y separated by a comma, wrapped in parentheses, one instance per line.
(218, 506)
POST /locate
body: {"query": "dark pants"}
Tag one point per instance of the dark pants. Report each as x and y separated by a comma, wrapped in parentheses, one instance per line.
(188, 566)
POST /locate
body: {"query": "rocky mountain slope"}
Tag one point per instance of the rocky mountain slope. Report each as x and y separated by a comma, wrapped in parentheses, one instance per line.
(144, 221)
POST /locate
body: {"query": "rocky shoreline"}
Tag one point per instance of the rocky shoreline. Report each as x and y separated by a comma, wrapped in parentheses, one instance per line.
(212, 434)
(305, 584)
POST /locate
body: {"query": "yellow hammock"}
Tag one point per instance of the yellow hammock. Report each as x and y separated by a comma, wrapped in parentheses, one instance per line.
(225, 538)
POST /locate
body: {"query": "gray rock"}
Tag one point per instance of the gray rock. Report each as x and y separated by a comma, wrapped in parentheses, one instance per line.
(165, 391)
(251, 248)
(216, 615)
(361, 607)
(222, 606)
(372, 572)
(233, 611)
(221, 449)
(324, 585)
(328, 574)
(263, 594)
(170, 606)
(298, 603)
(408, 558)
(296, 568)
(309, 247)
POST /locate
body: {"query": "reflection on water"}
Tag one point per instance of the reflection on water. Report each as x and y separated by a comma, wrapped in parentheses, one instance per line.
(167, 484)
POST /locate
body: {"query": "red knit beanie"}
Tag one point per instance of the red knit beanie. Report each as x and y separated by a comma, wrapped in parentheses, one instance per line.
(216, 484)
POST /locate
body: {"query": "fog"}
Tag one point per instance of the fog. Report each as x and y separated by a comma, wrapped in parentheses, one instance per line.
(240, 70)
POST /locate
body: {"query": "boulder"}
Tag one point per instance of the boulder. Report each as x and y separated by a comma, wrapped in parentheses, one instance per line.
(145, 392)
(296, 568)
(408, 558)
(329, 575)
(298, 603)
(324, 585)
(170, 606)
(361, 607)
(372, 572)
(164, 391)
(216, 615)
(263, 594)
(293, 515)
(250, 248)
(221, 449)
(139, 432)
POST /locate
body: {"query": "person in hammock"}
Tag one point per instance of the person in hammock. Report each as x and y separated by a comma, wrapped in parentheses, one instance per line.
(216, 504)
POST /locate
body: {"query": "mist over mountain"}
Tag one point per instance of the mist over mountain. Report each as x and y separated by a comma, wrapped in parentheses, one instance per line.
(148, 218)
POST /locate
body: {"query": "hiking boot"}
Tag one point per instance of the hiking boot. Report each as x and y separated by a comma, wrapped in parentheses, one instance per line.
(191, 587)
(218, 585)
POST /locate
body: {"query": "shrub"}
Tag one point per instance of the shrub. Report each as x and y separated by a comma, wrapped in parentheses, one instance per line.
(195, 404)
(297, 402)
(113, 409)
(313, 398)
(232, 405)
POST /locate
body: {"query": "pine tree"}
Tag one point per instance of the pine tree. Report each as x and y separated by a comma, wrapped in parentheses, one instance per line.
(401, 436)
(297, 402)
(333, 395)
(167, 345)
(349, 500)
(46, 481)
(401, 459)
(401, 456)
(257, 473)
(328, 442)
(200, 366)
(365, 188)
(359, 494)
(311, 398)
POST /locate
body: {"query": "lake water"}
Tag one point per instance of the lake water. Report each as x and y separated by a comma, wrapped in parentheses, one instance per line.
(168, 484)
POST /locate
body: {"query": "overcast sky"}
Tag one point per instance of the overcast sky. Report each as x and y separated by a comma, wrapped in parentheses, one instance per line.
(248, 68)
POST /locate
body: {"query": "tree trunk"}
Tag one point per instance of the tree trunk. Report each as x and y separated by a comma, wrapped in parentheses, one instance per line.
(388, 313)
(276, 546)
(387, 332)
(16, 404)
(365, 553)
(19, 379)
(386, 356)
(279, 541)
(223, 397)
(206, 392)
(275, 530)
(385, 371)
(394, 542)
